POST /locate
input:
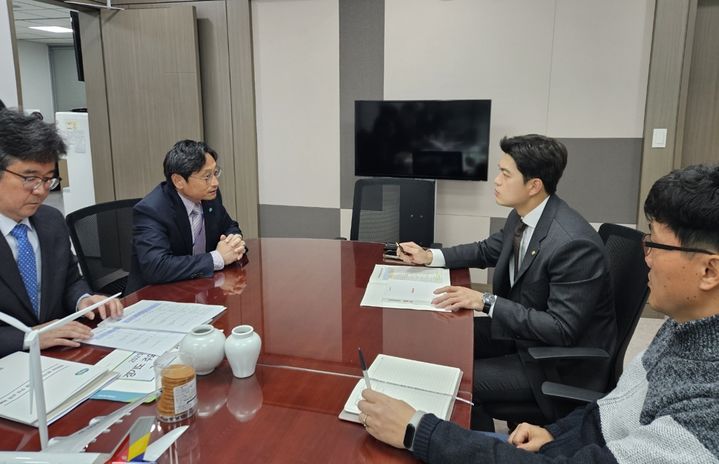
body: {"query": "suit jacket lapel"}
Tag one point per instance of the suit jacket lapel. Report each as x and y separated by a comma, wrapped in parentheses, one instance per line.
(47, 248)
(10, 274)
(209, 210)
(181, 220)
(501, 284)
(540, 232)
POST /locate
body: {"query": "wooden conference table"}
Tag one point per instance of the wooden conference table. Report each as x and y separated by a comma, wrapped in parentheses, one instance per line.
(302, 296)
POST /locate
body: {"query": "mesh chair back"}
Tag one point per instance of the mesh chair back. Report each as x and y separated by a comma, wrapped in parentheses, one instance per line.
(629, 280)
(102, 237)
(393, 210)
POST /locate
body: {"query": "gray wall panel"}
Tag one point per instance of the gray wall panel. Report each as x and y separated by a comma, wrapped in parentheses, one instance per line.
(601, 180)
(361, 76)
(299, 221)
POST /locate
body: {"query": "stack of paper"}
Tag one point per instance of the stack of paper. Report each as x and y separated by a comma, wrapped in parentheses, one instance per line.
(135, 376)
(153, 327)
(67, 384)
(425, 386)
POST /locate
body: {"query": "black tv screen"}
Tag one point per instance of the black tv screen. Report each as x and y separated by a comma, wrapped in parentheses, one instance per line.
(434, 139)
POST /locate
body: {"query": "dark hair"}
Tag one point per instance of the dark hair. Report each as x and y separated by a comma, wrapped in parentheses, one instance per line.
(2, 105)
(185, 158)
(26, 138)
(537, 156)
(687, 201)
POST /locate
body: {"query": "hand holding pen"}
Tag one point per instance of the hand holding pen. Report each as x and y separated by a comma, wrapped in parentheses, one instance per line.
(363, 366)
(411, 253)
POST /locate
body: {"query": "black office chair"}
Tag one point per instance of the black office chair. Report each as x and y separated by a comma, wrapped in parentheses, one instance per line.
(102, 237)
(628, 271)
(393, 210)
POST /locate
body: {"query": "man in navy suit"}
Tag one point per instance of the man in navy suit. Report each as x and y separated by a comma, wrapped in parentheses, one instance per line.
(39, 278)
(551, 282)
(181, 230)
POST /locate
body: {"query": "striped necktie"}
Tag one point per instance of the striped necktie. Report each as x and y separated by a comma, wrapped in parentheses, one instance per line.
(26, 265)
(198, 231)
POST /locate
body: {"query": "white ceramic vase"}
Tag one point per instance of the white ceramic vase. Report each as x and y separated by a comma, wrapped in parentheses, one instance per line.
(242, 349)
(205, 346)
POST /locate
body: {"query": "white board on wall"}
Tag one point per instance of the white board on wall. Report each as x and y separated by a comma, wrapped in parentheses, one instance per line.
(74, 129)
(8, 85)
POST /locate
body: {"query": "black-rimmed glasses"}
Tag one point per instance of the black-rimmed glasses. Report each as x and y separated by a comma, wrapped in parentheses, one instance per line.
(33, 182)
(648, 245)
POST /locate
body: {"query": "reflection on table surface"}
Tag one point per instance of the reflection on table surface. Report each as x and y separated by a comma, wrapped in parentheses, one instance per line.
(302, 297)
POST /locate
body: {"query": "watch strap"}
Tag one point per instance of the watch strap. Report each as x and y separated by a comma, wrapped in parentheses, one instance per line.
(412, 429)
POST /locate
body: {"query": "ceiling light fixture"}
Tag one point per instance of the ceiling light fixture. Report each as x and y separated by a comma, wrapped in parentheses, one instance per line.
(55, 29)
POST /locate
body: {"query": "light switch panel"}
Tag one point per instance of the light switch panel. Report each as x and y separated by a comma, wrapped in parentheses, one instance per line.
(659, 138)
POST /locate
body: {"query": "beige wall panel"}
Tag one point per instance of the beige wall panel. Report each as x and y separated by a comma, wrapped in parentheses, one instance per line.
(595, 72)
(212, 37)
(663, 92)
(701, 137)
(243, 115)
(153, 91)
(96, 94)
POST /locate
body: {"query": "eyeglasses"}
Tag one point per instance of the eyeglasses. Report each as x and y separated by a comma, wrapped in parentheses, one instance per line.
(33, 182)
(648, 245)
(216, 173)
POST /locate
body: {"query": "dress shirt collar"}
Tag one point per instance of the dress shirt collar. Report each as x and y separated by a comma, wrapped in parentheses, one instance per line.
(7, 224)
(532, 217)
(189, 204)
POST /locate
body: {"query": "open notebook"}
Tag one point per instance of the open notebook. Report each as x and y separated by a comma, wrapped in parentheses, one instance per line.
(425, 386)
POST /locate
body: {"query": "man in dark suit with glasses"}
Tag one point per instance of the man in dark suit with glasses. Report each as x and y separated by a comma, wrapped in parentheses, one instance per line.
(181, 230)
(39, 278)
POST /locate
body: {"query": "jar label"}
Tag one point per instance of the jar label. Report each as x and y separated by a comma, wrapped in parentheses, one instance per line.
(185, 396)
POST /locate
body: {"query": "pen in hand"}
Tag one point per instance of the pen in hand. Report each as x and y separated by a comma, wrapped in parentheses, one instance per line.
(399, 247)
(363, 366)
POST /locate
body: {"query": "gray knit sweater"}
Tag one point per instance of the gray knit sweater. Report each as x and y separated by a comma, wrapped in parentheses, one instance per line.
(665, 409)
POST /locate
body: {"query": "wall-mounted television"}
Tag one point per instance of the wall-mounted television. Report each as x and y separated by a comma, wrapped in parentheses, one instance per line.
(433, 139)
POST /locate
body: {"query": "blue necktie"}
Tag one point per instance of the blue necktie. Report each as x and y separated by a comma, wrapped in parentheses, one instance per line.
(26, 265)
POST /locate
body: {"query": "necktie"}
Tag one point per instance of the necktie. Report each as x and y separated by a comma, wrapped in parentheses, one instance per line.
(198, 236)
(516, 241)
(26, 265)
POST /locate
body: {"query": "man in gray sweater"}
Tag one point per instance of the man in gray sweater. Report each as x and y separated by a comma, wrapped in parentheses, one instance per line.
(665, 407)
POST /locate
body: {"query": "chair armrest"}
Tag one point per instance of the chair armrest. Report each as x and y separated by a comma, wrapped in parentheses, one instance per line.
(560, 352)
(558, 390)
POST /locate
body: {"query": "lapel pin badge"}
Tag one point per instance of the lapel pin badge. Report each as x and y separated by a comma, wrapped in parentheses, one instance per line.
(210, 209)
(534, 252)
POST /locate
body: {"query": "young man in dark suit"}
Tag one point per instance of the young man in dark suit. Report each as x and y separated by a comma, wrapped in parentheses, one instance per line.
(551, 283)
(181, 230)
(39, 278)
(665, 407)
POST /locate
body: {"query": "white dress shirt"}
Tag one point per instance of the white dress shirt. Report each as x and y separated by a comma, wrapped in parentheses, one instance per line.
(6, 226)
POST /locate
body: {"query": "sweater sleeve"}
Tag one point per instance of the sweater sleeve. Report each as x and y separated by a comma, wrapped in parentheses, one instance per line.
(438, 441)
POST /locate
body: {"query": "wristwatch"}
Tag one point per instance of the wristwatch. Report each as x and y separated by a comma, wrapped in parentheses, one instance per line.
(411, 429)
(488, 299)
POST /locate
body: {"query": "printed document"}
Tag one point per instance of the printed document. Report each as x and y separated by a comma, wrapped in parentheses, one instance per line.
(136, 376)
(152, 327)
(405, 287)
(66, 384)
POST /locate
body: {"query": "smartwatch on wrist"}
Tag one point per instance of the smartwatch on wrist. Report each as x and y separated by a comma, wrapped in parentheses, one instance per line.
(409, 432)
(488, 299)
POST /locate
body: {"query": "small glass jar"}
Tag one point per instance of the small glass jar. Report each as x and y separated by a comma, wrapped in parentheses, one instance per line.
(178, 400)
